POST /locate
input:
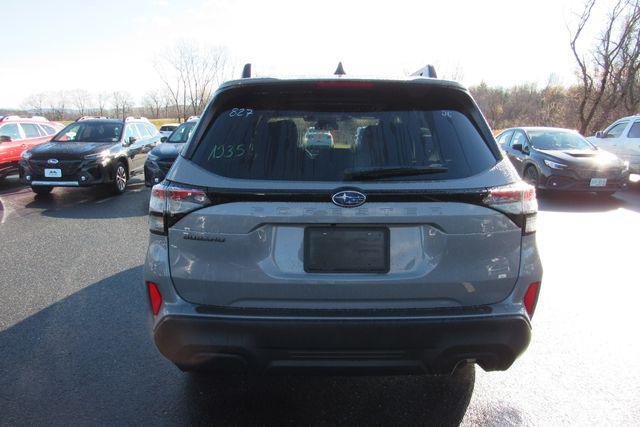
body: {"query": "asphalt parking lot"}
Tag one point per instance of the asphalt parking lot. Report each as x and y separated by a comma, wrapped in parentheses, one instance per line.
(75, 346)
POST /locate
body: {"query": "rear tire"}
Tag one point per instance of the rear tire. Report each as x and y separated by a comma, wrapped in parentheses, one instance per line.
(121, 179)
(41, 190)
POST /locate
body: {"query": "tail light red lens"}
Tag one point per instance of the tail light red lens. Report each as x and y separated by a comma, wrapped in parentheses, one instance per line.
(170, 202)
(155, 298)
(531, 298)
(519, 200)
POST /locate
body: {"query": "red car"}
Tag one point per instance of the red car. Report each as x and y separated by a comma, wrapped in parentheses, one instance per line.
(18, 134)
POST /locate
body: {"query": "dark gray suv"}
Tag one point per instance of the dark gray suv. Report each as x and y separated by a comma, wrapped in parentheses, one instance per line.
(405, 245)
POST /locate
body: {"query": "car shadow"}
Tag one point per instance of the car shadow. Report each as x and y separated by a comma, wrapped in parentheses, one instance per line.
(588, 202)
(10, 184)
(89, 359)
(91, 203)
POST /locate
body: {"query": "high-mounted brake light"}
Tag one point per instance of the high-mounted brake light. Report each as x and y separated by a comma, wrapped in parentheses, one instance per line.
(516, 200)
(344, 83)
(170, 202)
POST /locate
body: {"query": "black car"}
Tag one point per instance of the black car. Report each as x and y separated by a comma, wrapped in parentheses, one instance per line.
(161, 158)
(90, 152)
(562, 159)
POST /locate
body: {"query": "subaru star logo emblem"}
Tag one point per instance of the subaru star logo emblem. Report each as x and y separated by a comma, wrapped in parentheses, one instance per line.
(348, 198)
(52, 161)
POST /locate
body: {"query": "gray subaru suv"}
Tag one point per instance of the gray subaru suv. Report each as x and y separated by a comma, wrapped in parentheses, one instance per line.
(342, 225)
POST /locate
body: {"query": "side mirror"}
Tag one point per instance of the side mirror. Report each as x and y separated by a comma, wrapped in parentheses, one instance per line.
(163, 139)
(128, 142)
(5, 138)
(517, 147)
(599, 134)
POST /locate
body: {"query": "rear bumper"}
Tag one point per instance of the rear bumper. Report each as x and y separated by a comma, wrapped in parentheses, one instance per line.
(154, 172)
(569, 181)
(343, 345)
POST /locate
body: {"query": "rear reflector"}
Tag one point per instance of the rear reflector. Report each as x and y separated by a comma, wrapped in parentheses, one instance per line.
(154, 297)
(530, 298)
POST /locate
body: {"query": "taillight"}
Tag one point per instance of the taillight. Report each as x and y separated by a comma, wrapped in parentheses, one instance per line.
(155, 298)
(170, 202)
(531, 297)
(518, 201)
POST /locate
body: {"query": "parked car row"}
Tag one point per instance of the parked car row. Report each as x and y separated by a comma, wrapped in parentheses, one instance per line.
(90, 152)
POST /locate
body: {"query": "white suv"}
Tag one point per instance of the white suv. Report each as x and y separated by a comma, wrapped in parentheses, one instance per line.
(622, 138)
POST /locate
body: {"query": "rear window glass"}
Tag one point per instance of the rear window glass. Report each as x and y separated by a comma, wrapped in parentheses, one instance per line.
(183, 132)
(30, 130)
(331, 146)
(49, 130)
(167, 128)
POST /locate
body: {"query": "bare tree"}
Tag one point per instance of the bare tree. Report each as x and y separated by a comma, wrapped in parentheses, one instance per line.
(36, 103)
(81, 100)
(122, 103)
(57, 103)
(609, 72)
(190, 73)
(153, 102)
(102, 100)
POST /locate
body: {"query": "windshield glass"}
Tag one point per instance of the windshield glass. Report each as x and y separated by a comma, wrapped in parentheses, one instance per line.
(183, 133)
(90, 132)
(335, 146)
(558, 140)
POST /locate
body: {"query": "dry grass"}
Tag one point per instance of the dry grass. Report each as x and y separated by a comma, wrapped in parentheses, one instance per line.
(156, 122)
(159, 122)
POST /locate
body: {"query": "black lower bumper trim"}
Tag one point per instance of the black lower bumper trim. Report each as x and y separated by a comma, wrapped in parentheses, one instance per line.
(342, 346)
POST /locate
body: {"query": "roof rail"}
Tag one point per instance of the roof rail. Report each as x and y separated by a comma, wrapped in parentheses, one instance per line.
(131, 118)
(426, 71)
(246, 71)
(193, 118)
(39, 119)
(79, 119)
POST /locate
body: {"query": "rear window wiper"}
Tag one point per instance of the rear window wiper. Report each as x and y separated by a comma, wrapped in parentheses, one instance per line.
(374, 173)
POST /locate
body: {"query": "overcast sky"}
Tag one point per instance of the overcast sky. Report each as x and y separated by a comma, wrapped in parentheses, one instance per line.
(110, 45)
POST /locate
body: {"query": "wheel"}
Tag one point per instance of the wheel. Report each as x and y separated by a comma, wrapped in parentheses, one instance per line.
(531, 176)
(121, 179)
(41, 190)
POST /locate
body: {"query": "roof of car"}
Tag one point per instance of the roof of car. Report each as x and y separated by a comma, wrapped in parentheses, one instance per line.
(266, 81)
(14, 118)
(102, 120)
(112, 120)
(546, 128)
(637, 116)
(543, 128)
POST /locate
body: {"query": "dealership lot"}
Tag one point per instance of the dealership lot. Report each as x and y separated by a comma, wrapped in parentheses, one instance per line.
(75, 346)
